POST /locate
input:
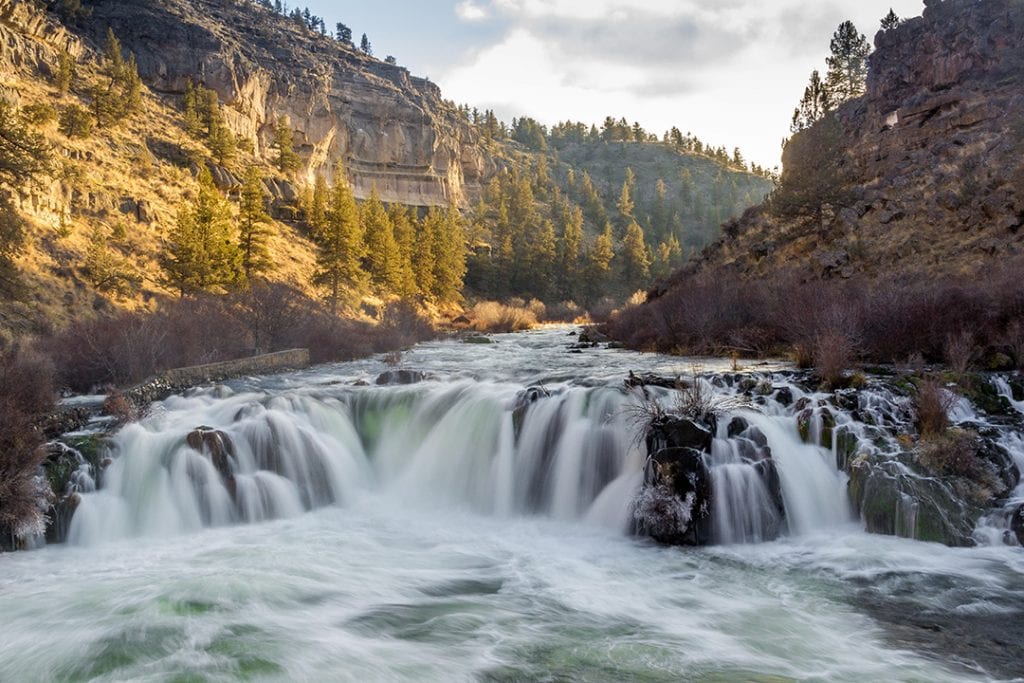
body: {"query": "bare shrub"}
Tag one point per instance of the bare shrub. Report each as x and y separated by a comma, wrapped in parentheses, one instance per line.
(402, 325)
(931, 407)
(1014, 341)
(565, 311)
(802, 356)
(26, 392)
(833, 354)
(491, 316)
(960, 350)
(539, 310)
(956, 454)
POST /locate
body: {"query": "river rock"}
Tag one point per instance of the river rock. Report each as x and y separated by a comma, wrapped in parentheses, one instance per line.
(1017, 524)
(679, 432)
(674, 505)
(218, 447)
(892, 499)
(400, 377)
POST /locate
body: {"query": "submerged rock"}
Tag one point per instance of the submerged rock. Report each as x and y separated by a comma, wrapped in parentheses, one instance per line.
(218, 447)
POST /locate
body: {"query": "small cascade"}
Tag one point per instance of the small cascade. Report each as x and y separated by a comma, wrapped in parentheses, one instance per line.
(746, 500)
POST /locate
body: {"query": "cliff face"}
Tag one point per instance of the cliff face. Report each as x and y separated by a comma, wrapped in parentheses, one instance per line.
(924, 172)
(389, 128)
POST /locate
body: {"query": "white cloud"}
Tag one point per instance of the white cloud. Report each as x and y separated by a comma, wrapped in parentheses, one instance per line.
(730, 71)
(467, 10)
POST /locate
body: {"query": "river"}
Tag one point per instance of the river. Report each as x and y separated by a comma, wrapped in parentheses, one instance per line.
(417, 533)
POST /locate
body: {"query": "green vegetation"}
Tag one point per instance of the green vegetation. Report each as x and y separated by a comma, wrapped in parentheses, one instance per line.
(201, 255)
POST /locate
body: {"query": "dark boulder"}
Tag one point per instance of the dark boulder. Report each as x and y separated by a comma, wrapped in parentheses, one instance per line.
(1017, 524)
(400, 377)
(679, 432)
(784, 396)
(674, 505)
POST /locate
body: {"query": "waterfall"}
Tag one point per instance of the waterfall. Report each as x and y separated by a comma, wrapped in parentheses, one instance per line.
(492, 448)
(242, 458)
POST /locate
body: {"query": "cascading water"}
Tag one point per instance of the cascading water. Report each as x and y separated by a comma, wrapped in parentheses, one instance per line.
(462, 444)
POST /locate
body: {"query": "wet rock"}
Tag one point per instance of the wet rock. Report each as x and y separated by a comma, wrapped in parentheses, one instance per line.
(524, 399)
(784, 396)
(650, 380)
(679, 432)
(1017, 524)
(737, 426)
(674, 505)
(893, 500)
(477, 339)
(218, 447)
(400, 377)
(770, 476)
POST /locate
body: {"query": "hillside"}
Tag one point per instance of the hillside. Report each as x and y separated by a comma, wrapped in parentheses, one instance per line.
(101, 218)
(924, 173)
(896, 229)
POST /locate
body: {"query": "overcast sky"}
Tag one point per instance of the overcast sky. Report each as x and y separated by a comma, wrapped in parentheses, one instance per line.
(729, 71)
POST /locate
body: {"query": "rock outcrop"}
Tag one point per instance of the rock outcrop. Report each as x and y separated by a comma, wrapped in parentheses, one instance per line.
(390, 129)
(925, 172)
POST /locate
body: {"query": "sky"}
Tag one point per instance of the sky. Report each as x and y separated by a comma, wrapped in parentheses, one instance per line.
(730, 72)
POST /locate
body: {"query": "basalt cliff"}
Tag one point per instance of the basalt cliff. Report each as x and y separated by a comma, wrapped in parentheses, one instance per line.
(924, 173)
(389, 128)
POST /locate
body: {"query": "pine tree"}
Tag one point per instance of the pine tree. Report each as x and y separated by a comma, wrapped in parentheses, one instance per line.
(569, 254)
(364, 45)
(423, 257)
(449, 253)
(383, 261)
(890, 21)
(668, 255)
(113, 56)
(343, 33)
(131, 86)
(814, 105)
(66, 71)
(194, 125)
(634, 259)
(599, 264)
(847, 66)
(104, 269)
(340, 248)
(405, 240)
(625, 205)
(202, 254)
(253, 227)
(287, 159)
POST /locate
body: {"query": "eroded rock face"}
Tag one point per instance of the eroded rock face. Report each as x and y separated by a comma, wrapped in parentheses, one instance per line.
(932, 158)
(389, 128)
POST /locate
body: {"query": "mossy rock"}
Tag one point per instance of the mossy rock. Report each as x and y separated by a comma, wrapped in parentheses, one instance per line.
(893, 502)
(986, 396)
(477, 339)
